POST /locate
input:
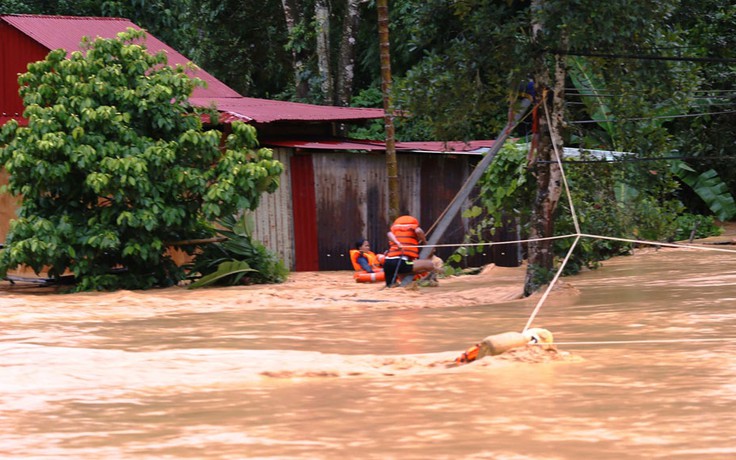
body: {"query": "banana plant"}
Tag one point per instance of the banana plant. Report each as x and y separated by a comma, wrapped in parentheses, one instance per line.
(238, 259)
(232, 269)
(707, 185)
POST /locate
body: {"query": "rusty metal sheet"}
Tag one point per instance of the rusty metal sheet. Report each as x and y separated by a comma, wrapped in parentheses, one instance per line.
(273, 221)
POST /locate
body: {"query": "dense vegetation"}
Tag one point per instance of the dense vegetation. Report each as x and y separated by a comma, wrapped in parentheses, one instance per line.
(115, 165)
(650, 78)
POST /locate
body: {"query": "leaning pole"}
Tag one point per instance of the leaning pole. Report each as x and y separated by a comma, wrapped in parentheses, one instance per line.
(454, 207)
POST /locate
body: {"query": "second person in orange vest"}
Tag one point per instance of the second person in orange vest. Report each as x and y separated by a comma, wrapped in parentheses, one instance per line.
(403, 254)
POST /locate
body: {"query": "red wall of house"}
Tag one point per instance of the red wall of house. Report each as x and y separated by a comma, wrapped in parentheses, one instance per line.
(15, 54)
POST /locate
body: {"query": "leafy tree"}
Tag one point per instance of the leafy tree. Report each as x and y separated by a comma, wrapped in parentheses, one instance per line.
(168, 20)
(461, 61)
(115, 163)
(70, 7)
(241, 43)
(709, 139)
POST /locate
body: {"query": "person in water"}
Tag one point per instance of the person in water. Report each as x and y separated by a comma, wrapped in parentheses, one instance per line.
(403, 254)
(363, 258)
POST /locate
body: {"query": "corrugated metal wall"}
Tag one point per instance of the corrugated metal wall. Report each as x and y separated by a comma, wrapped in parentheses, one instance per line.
(351, 204)
(351, 199)
(16, 52)
(273, 218)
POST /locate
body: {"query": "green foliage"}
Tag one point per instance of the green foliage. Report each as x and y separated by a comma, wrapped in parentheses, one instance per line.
(710, 188)
(115, 163)
(696, 226)
(707, 185)
(231, 269)
(505, 192)
(601, 210)
(708, 27)
(57, 7)
(591, 88)
(457, 89)
(375, 129)
(243, 44)
(238, 260)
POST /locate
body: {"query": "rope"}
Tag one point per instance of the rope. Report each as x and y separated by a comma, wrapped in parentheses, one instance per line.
(575, 221)
(562, 172)
(492, 243)
(551, 285)
(585, 235)
(577, 236)
(617, 342)
(657, 243)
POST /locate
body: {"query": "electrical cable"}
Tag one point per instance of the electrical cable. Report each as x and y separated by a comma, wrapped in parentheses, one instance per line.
(645, 57)
(662, 117)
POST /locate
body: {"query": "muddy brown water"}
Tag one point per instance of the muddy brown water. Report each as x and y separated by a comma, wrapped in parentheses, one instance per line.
(645, 369)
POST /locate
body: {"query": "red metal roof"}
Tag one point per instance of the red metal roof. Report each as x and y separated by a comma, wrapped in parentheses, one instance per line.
(456, 147)
(55, 32)
(267, 111)
(66, 32)
(446, 146)
(326, 144)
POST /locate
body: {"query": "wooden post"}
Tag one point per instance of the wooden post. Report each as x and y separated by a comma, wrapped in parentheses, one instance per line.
(392, 168)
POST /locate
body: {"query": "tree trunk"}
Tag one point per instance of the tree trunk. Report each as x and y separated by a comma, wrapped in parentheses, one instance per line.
(293, 16)
(322, 20)
(346, 60)
(392, 169)
(549, 177)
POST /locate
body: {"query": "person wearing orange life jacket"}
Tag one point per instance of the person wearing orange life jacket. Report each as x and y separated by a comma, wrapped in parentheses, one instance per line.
(403, 254)
(366, 263)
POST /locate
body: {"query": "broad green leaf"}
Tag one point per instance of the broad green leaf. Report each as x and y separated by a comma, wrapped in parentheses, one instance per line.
(223, 270)
(710, 188)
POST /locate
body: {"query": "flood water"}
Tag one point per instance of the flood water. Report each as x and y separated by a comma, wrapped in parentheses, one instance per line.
(645, 369)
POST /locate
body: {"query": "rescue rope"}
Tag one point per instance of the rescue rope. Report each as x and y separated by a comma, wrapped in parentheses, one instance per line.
(562, 173)
(616, 342)
(574, 219)
(466, 357)
(586, 235)
(550, 286)
(578, 234)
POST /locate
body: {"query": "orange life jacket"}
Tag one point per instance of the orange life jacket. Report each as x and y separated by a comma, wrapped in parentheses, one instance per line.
(365, 277)
(373, 260)
(470, 355)
(404, 230)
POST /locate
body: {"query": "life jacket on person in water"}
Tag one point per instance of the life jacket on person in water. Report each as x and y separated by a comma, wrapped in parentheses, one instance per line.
(469, 355)
(403, 229)
(499, 343)
(375, 261)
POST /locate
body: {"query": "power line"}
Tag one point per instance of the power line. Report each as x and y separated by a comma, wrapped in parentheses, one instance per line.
(726, 97)
(627, 159)
(646, 57)
(690, 115)
(731, 91)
